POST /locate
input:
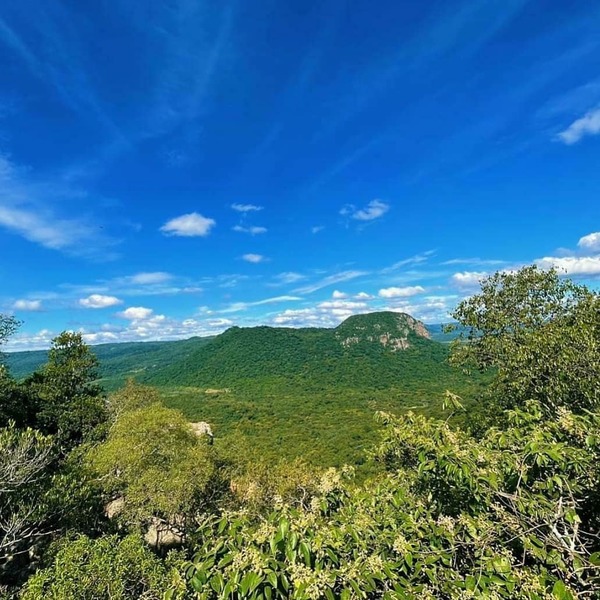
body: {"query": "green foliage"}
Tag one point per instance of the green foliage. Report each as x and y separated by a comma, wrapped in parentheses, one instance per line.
(8, 325)
(25, 457)
(108, 568)
(153, 460)
(16, 404)
(540, 335)
(259, 485)
(505, 517)
(70, 404)
(293, 393)
(132, 396)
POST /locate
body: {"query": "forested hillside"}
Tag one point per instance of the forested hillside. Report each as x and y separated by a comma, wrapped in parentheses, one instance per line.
(116, 361)
(117, 496)
(375, 351)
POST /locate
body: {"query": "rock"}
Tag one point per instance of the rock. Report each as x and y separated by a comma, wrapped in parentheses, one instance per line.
(114, 508)
(162, 535)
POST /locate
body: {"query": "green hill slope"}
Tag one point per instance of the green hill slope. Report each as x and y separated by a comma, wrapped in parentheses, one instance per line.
(117, 361)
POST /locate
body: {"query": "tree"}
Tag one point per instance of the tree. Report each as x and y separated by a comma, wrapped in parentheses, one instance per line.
(25, 456)
(71, 404)
(8, 325)
(131, 396)
(154, 461)
(538, 334)
(108, 568)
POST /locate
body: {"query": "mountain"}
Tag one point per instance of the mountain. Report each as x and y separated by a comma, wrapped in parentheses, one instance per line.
(372, 350)
(365, 351)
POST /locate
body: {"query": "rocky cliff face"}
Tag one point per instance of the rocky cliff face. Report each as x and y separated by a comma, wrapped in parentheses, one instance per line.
(395, 331)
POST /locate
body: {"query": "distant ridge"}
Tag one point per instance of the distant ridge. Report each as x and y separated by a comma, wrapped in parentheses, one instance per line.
(364, 350)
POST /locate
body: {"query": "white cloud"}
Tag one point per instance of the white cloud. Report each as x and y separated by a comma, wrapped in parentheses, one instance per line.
(28, 305)
(363, 296)
(589, 124)
(317, 228)
(373, 210)
(244, 208)
(430, 309)
(252, 230)
(324, 314)
(337, 295)
(254, 258)
(401, 292)
(99, 301)
(149, 278)
(468, 279)
(136, 313)
(190, 225)
(590, 242)
(572, 265)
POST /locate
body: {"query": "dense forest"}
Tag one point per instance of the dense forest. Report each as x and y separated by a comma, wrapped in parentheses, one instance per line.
(480, 478)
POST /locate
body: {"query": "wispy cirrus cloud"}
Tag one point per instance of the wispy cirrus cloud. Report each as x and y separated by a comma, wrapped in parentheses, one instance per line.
(241, 306)
(27, 211)
(330, 280)
(483, 262)
(44, 228)
(287, 278)
(49, 47)
(149, 278)
(588, 125)
(417, 259)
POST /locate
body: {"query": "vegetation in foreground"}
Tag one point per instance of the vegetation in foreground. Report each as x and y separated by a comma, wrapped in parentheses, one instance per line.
(121, 499)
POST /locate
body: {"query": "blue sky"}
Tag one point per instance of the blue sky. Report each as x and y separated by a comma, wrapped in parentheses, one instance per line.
(169, 169)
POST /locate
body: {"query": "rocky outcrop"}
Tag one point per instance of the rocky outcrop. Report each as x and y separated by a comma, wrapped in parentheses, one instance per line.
(393, 333)
(158, 533)
(202, 428)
